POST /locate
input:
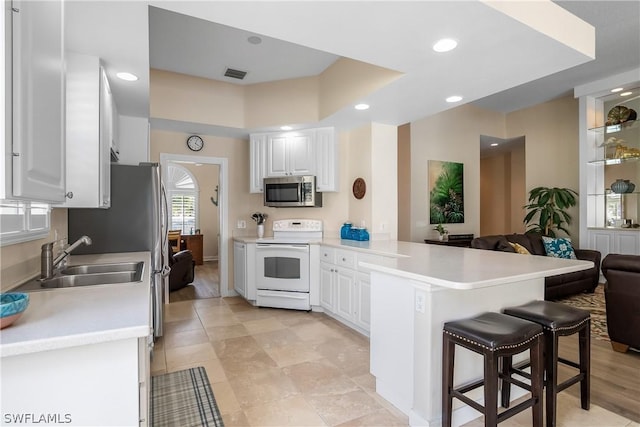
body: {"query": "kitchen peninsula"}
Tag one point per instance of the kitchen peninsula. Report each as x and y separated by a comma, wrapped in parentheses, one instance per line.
(424, 286)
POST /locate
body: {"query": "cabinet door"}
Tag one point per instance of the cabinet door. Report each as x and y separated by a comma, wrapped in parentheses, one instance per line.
(326, 160)
(327, 299)
(239, 268)
(301, 155)
(277, 156)
(89, 132)
(106, 126)
(345, 280)
(38, 101)
(362, 301)
(257, 157)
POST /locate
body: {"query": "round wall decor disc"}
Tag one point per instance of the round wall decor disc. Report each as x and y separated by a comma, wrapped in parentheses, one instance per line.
(359, 188)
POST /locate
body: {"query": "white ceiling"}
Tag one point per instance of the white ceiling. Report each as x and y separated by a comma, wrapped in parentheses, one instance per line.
(499, 63)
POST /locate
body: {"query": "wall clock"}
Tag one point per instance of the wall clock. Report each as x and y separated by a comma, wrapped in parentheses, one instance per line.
(195, 143)
(359, 188)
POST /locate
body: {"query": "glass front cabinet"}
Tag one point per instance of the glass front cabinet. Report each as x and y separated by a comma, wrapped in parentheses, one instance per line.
(610, 164)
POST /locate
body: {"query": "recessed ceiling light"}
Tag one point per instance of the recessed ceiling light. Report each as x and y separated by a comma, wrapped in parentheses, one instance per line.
(445, 45)
(361, 107)
(495, 144)
(618, 89)
(626, 93)
(254, 40)
(285, 128)
(454, 98)
(127, 76)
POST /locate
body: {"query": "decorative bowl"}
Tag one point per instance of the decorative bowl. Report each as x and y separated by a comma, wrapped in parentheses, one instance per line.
(12, 305)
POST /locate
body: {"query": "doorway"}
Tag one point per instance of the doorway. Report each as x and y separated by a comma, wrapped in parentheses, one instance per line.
(214, 188)
(502, 185)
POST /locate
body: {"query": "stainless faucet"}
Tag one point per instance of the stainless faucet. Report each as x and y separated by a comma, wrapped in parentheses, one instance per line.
(48, 264)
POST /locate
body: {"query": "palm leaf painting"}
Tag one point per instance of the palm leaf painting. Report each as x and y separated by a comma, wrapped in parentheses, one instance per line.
(446, 184)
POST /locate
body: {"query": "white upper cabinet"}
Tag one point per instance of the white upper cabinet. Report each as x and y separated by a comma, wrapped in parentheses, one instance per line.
(306, 152)
(290, 154)
(90, 132)
(257, 150)
(326, 160)
(37, 146)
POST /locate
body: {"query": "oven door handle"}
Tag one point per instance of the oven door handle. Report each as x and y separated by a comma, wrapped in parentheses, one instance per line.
(301, 248)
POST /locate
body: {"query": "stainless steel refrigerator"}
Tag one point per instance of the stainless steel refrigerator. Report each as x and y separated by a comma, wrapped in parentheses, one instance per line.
(136, 221)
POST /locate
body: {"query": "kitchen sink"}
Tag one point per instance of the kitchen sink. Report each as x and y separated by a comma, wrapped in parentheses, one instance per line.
(88, 275)
(104, 268)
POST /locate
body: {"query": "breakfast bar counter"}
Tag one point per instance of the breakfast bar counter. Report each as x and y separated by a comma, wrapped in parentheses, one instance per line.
(422, 288)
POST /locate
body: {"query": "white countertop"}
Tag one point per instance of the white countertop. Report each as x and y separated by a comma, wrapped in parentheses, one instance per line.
(458, 268)
(68, 317)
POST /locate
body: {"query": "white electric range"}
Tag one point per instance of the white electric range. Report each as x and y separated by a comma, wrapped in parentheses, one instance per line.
(282, 264)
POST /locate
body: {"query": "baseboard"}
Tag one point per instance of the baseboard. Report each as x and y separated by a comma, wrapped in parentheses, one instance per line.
(210, 258)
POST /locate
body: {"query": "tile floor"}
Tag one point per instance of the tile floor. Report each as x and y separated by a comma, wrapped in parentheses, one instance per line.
(270, 367)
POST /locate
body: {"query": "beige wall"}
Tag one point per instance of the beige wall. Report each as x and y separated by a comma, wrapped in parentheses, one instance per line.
(404, 182)
(207, 177)
(384, 186)
(551, 132)
(347, 81)
(21, 261)
(193, 99)
(495, 195)
(454, 136)
(282, 102)
(551, 157)
(519, 194)
(503, 192)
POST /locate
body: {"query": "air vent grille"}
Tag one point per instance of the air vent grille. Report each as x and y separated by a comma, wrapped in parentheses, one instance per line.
(235, 74)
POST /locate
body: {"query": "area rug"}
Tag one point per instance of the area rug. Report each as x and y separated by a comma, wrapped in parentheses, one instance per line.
(595, 304)
(185, 399)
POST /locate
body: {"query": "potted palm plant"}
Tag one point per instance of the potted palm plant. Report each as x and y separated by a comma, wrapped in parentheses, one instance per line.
(547, 210)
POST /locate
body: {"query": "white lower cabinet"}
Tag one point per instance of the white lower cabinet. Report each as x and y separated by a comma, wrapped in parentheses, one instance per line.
(327, 292)
(345, 288)
(244, 271)
(240, 267)
(87, 385)
(617, 241)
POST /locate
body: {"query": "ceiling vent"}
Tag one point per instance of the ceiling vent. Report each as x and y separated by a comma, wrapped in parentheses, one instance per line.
(235, 74)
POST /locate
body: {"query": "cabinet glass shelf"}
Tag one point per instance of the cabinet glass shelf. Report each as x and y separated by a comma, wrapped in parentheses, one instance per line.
(611, 193)
(630, 124)
(613, 161)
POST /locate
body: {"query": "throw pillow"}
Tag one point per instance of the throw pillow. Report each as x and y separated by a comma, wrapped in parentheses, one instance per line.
(520, 249)
(558, 248)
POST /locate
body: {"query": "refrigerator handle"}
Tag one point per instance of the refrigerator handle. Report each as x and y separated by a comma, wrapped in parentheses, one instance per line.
(165, 220)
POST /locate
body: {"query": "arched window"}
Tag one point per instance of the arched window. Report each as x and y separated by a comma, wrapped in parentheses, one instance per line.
(182, 192)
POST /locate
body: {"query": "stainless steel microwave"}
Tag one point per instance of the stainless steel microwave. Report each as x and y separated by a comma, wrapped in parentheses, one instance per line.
(291, 191)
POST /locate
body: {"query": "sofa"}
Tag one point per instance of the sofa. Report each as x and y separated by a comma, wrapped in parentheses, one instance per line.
(556, 287)
(182, 269)
(622, 298)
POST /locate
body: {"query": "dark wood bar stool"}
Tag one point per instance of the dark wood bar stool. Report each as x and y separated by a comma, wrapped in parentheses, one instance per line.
(494, 336)
(557, 320)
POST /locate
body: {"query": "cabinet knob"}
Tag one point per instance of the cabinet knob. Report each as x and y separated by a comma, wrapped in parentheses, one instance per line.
(344, 259)
(69, 195)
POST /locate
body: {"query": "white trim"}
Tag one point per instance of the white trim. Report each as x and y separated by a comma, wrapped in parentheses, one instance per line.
(223, 253)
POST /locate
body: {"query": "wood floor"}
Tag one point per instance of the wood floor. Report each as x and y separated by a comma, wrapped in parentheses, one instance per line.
(205, 285)
(615, 377)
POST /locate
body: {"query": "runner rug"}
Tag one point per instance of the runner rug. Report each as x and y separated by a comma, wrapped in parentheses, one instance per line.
(184, 399)
(595, 304)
